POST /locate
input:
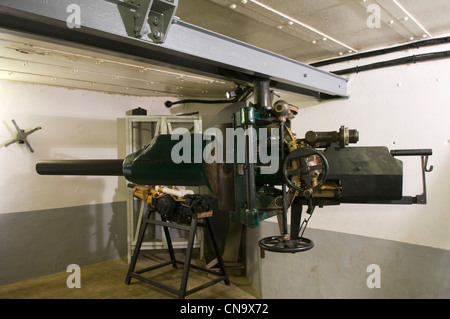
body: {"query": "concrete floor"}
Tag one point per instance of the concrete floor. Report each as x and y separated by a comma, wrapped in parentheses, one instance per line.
(107, 281)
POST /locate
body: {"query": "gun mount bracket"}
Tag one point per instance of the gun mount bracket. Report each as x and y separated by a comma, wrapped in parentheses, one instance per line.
(152, 18)
(424, 155)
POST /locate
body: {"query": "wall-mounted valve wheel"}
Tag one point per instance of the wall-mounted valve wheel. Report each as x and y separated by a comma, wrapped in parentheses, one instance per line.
(310, 165)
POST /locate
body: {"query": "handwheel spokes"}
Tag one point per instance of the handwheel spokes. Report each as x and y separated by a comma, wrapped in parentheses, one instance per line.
(317, 167)
(307, 179)
(294, 172)
(304, 164)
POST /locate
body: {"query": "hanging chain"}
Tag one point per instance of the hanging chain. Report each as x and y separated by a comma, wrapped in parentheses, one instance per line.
(310, 211)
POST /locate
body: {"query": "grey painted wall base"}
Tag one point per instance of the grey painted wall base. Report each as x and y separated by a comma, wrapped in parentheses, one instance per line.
(38, 243)
(337, 267)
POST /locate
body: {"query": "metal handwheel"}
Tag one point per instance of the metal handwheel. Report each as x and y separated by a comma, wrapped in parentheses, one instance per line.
(280, 245)
(306, 171)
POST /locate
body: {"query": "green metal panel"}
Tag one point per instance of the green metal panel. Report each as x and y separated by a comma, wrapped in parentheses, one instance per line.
(264, 195)
(154, 165)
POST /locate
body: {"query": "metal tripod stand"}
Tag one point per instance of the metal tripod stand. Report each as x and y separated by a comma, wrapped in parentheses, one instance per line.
(192, 229)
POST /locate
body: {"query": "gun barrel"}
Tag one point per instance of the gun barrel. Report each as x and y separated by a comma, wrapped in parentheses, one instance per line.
(81, 167)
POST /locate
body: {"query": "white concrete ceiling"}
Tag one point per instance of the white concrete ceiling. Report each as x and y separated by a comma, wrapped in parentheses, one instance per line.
(281, 26)
(28, 60)
(305, 30)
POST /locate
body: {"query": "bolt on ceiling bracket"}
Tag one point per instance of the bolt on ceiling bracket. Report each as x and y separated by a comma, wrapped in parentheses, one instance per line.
(153, 18)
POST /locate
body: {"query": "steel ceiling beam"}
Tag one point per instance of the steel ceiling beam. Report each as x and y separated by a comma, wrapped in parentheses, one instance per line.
(108, 25)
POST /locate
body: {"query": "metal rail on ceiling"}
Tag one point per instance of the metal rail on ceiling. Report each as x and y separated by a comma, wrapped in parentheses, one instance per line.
(108, 26)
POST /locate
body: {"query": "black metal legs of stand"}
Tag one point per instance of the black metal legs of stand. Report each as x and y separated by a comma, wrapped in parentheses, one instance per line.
(182, 293)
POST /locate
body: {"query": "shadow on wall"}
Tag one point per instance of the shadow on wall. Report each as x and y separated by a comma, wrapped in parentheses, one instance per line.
(117, 243)
(37, 243)
(60, 138)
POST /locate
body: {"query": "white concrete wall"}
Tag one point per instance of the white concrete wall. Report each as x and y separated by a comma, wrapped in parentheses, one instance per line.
(400, 107)
(76, 124)
(49, 222)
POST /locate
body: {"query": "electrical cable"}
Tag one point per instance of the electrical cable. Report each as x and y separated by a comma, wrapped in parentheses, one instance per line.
(240, 93)
(413, 45)
(169, 104)
(395, 62)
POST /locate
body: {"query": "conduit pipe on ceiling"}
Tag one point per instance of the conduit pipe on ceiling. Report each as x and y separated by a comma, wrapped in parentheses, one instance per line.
(405, 60)
(413, 45)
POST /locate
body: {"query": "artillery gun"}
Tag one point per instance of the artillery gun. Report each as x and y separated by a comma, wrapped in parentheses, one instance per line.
(317, 170)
